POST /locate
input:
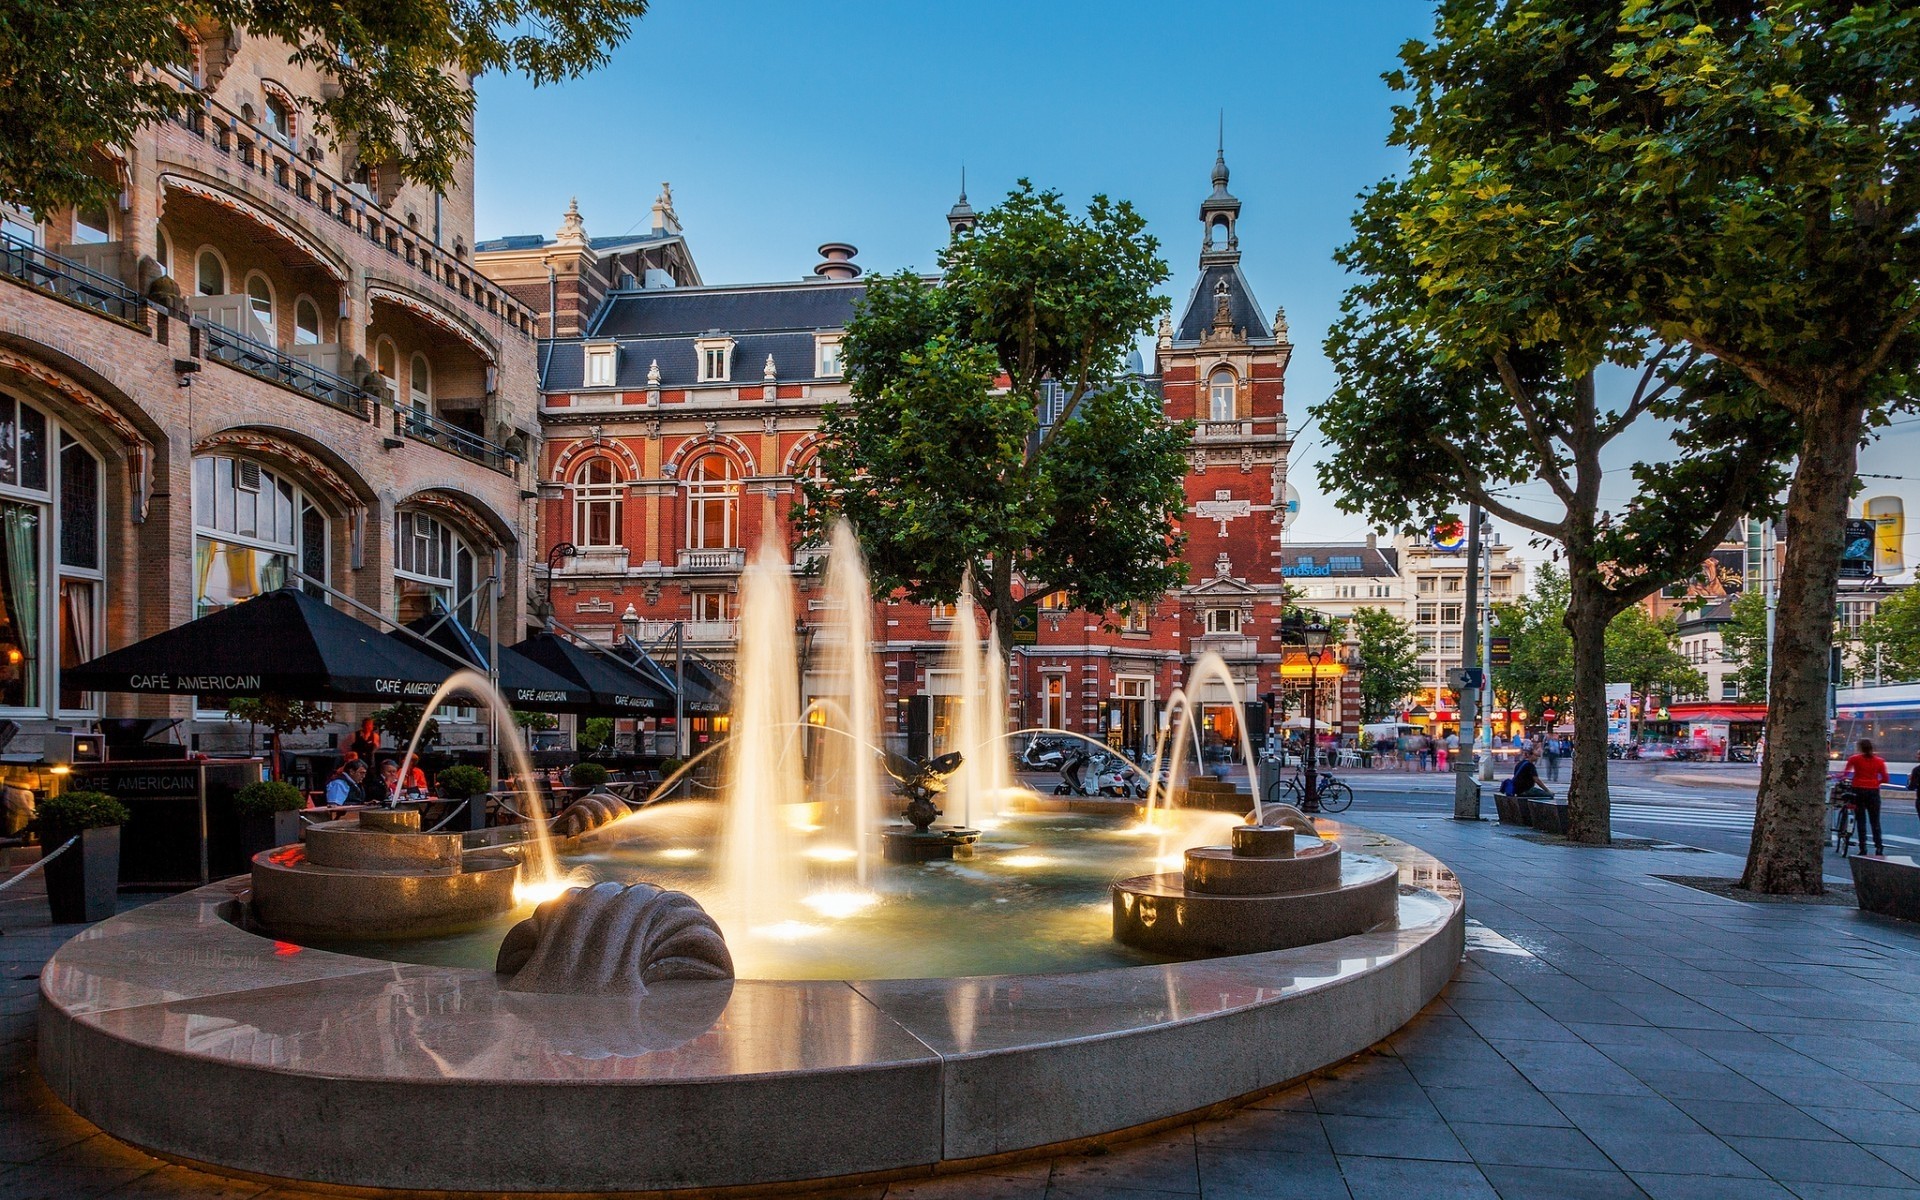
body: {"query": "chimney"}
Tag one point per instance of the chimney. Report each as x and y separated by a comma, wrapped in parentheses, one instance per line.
(836, 261)
(1373, 541)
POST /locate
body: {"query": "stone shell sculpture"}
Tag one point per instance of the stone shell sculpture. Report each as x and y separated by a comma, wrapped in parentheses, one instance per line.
(612, 939)
(1283, 816)
(590, 812)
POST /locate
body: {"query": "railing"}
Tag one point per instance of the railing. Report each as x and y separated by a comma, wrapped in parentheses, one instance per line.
(807, 557)
(1208, 431)
(694, 633)
(1229, 645)
(278, 166)
(69, 280)
(723, 559)
(258, 359)
(423, 426)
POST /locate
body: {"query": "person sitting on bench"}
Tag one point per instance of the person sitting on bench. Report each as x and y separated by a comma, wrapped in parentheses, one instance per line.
(1526, 777)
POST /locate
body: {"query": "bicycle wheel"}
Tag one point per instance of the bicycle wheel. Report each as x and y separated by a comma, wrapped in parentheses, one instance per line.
(1280, 791)
(1843, 833)
(1335, 796)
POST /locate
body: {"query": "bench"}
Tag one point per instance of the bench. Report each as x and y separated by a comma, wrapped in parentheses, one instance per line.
(1888, 884)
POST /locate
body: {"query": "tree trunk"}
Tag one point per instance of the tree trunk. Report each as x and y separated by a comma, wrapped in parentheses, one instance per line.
(1786, 854)
(1589, 806)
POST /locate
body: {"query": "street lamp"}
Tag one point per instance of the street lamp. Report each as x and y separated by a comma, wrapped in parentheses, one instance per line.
(630, 623)
(560, 553)
(1315, 637)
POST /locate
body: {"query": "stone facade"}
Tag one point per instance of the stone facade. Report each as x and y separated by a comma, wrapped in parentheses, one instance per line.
(307, 327)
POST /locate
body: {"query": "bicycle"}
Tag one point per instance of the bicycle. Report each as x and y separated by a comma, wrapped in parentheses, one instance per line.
(1335, 796)
(1840, 802)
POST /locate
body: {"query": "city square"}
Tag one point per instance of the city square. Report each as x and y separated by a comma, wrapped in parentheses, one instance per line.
(1412, 693)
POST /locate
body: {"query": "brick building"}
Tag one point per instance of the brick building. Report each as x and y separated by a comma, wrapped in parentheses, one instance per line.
(677, 416)
(265, 355)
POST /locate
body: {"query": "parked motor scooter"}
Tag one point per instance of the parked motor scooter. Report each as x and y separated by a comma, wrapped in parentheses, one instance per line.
(1043, 754)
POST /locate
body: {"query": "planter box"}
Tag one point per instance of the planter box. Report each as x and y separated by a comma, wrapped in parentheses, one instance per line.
(1511, 812)
(84, 883)
(268, 832)
(1548, 816)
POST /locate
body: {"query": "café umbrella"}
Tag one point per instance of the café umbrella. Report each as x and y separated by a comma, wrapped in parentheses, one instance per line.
(616, 687)
(282, 643)
(526, 684)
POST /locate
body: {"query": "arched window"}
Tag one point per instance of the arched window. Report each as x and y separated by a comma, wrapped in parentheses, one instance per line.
(386, 360)
(420, 384)
(1223, 406)
(597, 495)
(306, 322)
(260, 308)
(92, 224)
(51, 559)
(209, 273)
(162, 250)
(279, 113)
(251, 530)
(432, 566)
(713, 503)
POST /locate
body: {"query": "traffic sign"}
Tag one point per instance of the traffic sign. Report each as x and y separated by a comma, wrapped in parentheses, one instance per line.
(1460, 678)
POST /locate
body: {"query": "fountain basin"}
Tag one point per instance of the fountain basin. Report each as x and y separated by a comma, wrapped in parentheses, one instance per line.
(1164, 914)
(908, 845)
(297, 898)
(1222, 872)
(302, 1062)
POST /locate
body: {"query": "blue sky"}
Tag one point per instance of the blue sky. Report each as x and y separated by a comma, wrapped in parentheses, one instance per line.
(785, 125)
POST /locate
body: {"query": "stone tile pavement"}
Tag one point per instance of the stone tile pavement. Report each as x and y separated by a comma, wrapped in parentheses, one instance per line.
(1607, 1035)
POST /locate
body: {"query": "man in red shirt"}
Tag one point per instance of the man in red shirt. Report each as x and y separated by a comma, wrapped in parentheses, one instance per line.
(1865, 773)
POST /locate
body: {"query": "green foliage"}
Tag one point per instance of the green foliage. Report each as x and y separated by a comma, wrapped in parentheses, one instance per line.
(535, 720)
(84, 73)
(1535, 627)
(1643, 652)
(460, 781)
(62, 816)
(596, 733)
(398, 721)
(946, 474)
(1743, 642)
(266, 797)
(589, 775)
(1389, 662)
(1889, 643)
(669, 765)
(278, 713)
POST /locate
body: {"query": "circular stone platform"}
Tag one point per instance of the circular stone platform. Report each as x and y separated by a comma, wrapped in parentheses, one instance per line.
(177, 1031)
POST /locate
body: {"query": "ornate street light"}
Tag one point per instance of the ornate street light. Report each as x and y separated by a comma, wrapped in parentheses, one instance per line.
(1315, 637)
(630, 623)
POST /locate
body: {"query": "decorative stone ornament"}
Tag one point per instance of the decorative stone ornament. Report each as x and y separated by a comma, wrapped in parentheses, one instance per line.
(612, 939)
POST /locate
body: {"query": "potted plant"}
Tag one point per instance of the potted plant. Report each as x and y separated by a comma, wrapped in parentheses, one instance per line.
(83, 883)
(589, 775)
(462, 782)
(269, 816)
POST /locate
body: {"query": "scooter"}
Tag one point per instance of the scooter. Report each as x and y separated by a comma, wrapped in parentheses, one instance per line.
(1073, 775)
(1043, 754)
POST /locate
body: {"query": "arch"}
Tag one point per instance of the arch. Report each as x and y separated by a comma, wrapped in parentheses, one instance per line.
(599, 502)
(386, 360)
(563, 465)
(692, 448)
(322, 256)
(329, 480)
(713, 492)
(96, 403)
(420, 381)
(804, 450)
(472, 517)
(274, 97)
(1223, 393)
(204, 278)
(426, 310)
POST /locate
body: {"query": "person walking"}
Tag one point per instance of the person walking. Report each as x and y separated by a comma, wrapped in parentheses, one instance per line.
(1552, 756)
(1866, 774)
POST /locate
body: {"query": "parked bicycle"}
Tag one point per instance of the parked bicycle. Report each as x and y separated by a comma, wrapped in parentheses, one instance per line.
(1334, 795)
(1840, 804)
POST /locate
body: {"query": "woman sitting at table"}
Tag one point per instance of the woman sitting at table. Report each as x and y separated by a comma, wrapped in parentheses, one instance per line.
(343, 787)
(384, 788)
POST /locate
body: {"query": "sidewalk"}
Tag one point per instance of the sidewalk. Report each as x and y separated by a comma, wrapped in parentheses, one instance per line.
(1609, 1034)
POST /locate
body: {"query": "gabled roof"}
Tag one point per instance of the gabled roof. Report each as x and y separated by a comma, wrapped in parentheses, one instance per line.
(1197, 318)
(783, 307)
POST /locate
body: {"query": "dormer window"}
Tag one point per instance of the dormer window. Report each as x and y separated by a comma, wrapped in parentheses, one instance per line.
(716, 359)
(601, 361)
(828, 353)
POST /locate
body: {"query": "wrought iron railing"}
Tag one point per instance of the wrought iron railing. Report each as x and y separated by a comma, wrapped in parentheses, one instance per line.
(423, 426)
(69, 280)
(258, 359)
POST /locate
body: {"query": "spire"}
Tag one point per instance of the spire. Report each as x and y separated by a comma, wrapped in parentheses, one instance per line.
(573, 230)
(1220, 212)
(1220, 160)
(960, 217)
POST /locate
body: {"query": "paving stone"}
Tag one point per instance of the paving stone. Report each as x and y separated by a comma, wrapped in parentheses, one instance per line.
(1702, 1187)
(1394, 1137)
(1261, 1175)
(1791, 1159)
(1398, 1178)
(1521, 1104)
(1529, 1146)
(1560, 1183)
(1742, 1119)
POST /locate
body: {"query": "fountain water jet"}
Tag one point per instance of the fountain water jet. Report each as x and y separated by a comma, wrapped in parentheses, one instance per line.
(848, 767)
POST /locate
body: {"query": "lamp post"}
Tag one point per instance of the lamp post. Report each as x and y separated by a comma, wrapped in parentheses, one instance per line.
(1315, 637)
(561, 552)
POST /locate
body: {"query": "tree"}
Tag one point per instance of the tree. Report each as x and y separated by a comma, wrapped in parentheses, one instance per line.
(1466, 382)
(1748, 175)
(939, 458)
(1389, 662)
(1889, 641)
(398, 721)
(1540, 673)
(280, 715)
(81, 74)
(1641, 653)
(1743, 642)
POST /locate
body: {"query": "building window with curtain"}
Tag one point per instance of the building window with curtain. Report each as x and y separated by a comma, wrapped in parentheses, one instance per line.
(251, 530)
(713, 503)
(50, 560)
(597, 491)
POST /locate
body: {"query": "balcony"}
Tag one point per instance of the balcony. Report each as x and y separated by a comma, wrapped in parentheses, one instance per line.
(1221, 431)
(423, 426)
(1230, 646)
(722, 559)
(70, 281)
(266, 362)
(693, 633)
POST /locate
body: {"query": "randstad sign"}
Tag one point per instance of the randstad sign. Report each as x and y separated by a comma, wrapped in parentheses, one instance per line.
(1311, 569)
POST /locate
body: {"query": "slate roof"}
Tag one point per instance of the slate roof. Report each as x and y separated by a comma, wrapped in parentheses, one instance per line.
(793, 359)
(666, 312)
(1197, 318)
(534, 241)
(1349, 560)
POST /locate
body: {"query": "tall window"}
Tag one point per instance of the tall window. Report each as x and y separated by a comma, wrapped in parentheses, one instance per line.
(1223, 406)
(251, 530)
(600, 364)
(432, 565)
(260, 308)
(386, 360)
(50, 559)
(162, 250)
(279, 116)
(713, 503)
(1053, 701)
(92, 224)
(306, 322)
(1137, 615)
(209, 273)
(710, 606)
(596, 504)
(420, 384)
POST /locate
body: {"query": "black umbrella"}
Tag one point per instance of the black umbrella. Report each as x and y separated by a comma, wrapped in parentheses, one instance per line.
(284, 643)
(525, 683)
(616, 686)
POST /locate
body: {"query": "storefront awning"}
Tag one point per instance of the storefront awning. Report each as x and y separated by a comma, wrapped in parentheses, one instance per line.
(1728, 713)
(526, 684)
(617, 688)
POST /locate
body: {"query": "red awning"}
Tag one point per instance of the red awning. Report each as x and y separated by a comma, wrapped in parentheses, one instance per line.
(1717, 712)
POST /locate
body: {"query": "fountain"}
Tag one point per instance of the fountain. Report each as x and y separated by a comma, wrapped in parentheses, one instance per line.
(919, 783)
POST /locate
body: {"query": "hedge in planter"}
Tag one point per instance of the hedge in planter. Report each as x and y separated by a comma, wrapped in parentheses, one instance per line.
(269, 816)
(83, 882)
(589, 775)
